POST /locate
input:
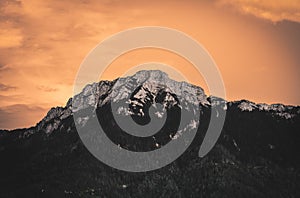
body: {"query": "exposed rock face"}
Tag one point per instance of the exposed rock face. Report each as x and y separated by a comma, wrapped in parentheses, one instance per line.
(256, 155)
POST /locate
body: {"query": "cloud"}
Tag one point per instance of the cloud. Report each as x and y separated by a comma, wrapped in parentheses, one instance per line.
(10, 37)
(44, 42)
(4, 98)
(4, 87)
(273, 10)
(20, 115)
(3, 67)
(47, 89)
(10, 34)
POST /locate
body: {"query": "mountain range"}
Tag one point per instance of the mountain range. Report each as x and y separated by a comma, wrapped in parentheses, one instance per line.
(256, 154)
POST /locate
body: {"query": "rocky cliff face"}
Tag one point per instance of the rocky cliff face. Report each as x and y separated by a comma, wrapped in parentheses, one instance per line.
(255, 156)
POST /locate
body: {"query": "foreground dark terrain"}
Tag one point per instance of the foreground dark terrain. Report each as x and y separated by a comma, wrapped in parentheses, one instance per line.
(257, 154)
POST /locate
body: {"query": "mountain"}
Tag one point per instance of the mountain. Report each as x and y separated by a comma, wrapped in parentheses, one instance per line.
(256, 154)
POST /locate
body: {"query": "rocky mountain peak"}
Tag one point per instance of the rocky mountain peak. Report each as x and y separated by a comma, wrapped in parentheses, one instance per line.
(151, 75)
(150, 86)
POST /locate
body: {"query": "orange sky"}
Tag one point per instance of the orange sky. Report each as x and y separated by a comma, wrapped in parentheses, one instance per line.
(255, 44)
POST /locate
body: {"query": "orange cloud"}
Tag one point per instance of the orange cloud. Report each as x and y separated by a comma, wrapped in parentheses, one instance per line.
(46, 88)
(17, 116)
(4, 87)
(10, 37)
(273, 10)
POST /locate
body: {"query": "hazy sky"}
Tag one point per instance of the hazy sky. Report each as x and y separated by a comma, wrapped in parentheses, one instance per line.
(256, 45)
